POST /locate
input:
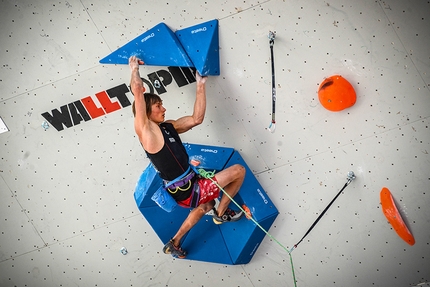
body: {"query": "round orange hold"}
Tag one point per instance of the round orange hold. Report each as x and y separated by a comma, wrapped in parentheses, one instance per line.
(336, 93)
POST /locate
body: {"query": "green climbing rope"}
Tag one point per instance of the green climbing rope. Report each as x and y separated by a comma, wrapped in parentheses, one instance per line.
(209, 175)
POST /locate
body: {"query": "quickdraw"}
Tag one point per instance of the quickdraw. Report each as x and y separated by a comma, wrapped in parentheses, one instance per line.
(272, 126)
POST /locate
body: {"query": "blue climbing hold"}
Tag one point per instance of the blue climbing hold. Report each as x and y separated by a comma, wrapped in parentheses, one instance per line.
(158, 46)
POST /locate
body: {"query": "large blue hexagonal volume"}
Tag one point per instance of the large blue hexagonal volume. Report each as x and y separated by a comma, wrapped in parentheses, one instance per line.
(229, 243)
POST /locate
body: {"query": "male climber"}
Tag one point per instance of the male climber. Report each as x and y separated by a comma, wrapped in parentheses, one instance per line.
(162, 144)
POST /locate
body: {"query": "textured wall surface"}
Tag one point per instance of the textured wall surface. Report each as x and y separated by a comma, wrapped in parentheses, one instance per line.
(66, 197)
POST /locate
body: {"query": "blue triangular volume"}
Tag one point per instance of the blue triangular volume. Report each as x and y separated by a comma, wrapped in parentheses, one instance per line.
(157, 46)
(232, 243)
(202, 46)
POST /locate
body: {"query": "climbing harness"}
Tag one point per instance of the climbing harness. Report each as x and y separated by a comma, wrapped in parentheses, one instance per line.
(272, 127)
(180, 181)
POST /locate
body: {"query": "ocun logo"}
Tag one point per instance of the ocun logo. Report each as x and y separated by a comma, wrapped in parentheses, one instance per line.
(209, 150)
(114, 99)
(262, 196)
(199, 30)
(147, 37)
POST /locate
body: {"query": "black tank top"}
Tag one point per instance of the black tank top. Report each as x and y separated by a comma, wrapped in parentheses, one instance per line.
(172, 160)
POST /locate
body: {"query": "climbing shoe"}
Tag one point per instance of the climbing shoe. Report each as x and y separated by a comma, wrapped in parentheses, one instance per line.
(176, 251)
(228, 216)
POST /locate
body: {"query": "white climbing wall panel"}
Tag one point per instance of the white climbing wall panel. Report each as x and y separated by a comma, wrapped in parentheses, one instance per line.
(66, 197)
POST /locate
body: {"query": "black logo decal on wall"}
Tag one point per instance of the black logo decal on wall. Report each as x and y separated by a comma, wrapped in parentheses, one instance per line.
(87, 108)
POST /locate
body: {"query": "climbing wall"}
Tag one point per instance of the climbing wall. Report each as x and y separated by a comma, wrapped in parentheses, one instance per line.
(66, 186)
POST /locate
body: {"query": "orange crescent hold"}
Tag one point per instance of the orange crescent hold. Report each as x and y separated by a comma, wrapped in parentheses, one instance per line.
(392, 214)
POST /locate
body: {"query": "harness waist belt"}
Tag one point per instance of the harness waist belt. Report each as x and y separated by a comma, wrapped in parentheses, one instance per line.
(181, 182)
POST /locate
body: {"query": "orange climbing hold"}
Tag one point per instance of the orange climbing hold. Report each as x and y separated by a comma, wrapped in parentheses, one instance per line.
(247, 211)
(336, 93)
(392, 214)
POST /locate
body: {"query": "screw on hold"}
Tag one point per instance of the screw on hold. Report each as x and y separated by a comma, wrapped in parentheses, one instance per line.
(157, 84)
(123, 251)
(45, 125)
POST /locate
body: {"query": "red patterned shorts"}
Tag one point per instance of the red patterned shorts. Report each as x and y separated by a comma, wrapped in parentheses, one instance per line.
(208, 191)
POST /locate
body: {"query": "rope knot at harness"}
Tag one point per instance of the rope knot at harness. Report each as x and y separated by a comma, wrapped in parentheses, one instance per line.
(206, 174)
